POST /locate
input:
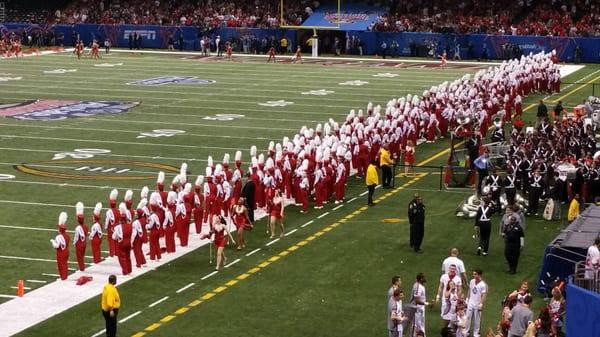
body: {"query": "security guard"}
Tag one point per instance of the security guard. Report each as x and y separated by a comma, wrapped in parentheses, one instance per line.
(411, 218)
(418, 218)
(514, 238)
(483, 226)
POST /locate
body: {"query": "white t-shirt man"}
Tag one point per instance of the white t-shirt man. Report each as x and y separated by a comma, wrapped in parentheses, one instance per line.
(453, 260)
(476, 291)
(446, 278)
(592, 262)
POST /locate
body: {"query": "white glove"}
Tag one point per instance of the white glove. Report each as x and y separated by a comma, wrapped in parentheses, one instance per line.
(522, 242)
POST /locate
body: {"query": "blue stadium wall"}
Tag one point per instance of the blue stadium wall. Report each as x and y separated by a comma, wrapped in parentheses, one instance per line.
(583, 312)
(158, 36)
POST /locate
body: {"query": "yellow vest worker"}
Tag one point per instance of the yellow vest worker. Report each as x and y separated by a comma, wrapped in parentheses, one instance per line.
(573, 210)
(111, 302)
(372, 180)
(386, 163)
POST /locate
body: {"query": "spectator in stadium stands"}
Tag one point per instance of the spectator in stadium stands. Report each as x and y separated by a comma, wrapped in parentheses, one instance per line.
(372, 180)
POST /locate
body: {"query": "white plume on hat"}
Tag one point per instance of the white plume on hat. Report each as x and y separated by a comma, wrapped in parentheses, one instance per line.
(113, 194)
(199, 181)
(209, 162)
(238, 155)
(253, 151)
(161, 178)
(62, 218)
(172, 197)
(261, 158)
(98, 208)
(142, 204)
(187, 188)
(79, 208)
(155, 198)
(128, 195)
(183, 172)
(123, 208)
(226, 158)
(144, 192)
(254, 162)
(209, 171)
(271, 146)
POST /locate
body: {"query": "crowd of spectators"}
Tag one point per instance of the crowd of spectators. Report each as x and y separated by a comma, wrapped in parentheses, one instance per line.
(556, 18)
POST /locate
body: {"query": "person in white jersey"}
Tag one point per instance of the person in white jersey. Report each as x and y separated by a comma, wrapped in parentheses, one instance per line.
(592, 261)
(478, 291)
(453, 259)
(419, 301)
(444, 289)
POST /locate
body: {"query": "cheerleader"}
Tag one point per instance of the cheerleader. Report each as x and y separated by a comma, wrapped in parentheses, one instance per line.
(276, 213)
(239, 216)
(449, 304)
(409, 157)
(221, 239)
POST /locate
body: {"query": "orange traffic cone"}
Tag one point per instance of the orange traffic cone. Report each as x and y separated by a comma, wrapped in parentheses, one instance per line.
(20, 289)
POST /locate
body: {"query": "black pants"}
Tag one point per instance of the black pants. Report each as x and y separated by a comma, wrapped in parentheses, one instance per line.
(250, 208)
(534, 199)
(481, 174)
(412, 235)
(511, 194)
(371, 191)
(386, 176)
(419, 232)
(485, 229)
(111, 323)
(511, 253)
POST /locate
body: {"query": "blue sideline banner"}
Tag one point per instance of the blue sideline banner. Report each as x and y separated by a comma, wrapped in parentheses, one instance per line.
(583, 312)
(469, 46)
(353, 17)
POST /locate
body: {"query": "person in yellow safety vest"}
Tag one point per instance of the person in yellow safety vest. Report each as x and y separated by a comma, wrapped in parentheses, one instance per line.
(386, 163)
(372, 179)
(573, 208)
(284, 44)
(111, 302)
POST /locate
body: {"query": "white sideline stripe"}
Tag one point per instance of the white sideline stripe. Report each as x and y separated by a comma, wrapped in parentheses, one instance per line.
(292, 231)
(272, 242)
(30, 259)
(351, 200)
(159, 301)
(364, 193)
(7, 296)
(338, 207)
(51, 275)
(99, 333)
(130, 316)
(209, 275)
(184, 288)
(252, 252)
(120, 142)
(36, 281)
(322, 215)
(29, 228)
(308, 223)
(36, 204)
(26, 288)
(105, 251)
(232, 263)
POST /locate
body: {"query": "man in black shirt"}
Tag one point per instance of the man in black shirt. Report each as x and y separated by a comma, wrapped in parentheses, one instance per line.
(558, 110)
(411, 219)
(418, 219)
(248, 194)
(542, 113)
(513, 241)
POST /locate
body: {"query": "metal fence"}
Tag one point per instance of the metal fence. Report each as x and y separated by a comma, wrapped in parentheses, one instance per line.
(586, 278)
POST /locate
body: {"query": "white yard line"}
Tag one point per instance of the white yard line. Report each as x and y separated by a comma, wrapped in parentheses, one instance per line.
(36, 204)
(29, 228)
(36, 281)
(351, 200)
(322, 215)
(7, 296)
(71, 185)
(184, 288)
(232, 263)
(99, 333)
(153, 304)
(26, 288)
(209, 275)
(338, 207)
(292, 231)
(272, 242)
(130, 316)
(30, 259)
(364, 193)
(308, 223)
(50, 275)
(252, 252)
(105, 154)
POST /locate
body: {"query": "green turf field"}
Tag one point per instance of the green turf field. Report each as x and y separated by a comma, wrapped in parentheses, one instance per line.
(328, 278)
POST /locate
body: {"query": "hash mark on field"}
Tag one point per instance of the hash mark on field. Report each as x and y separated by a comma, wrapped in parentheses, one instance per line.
(130, 316)
(351, 200)
(36, 281)
(274, 258)
(252, 252)
(159, 301)
(322, 215)
(290, 232)
(194, 303)
(308, 223)
(51, 275)
(232, 263)
(209, 275)
(272, 242)
(364, 193)
(184, 288)
(139, 334)
(284, 253)
(9, 296)
(293, 248)
(338, 207)
(99, 333)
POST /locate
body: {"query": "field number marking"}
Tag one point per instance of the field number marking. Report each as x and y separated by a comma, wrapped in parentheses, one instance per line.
(160, 133)
(6, 176)
(357, 83)
(80, 154)
(276, 103)
(223, 117)
(320, 92)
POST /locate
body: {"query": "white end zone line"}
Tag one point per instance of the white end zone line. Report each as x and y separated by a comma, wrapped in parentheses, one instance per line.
(322, 215)
(308, 223)
(184, 288)
(7, 296)
(272, 242)
(130, 316)
(209, 275)
(232, 263)
(159, 301)
(292, 231)
(252, 252)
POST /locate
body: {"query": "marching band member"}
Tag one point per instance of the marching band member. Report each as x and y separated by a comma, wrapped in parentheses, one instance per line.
(222, 235)
(198, 204)
(122, 236)
(241, 220)
(236, 177)
(80, 236)
(169, 223)
(61, 244)
(96, 235)
(129, 204)
(138, 233)
(276, 213)
(154, 225)
(111, 220)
